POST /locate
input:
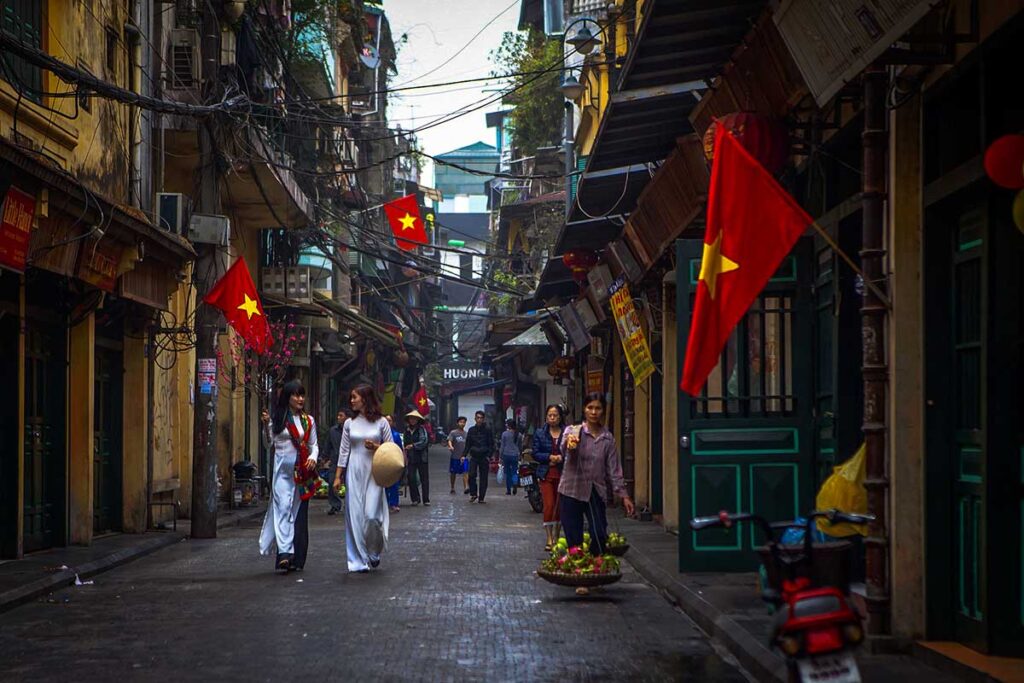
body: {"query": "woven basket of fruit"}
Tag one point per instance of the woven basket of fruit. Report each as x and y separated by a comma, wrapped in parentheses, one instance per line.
(576, 567)
(616, 544)
(578, 580)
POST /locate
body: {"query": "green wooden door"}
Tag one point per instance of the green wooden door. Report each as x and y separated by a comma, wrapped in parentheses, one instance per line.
(107, 440)
(975, 439)
(45, 389)
(746, 441)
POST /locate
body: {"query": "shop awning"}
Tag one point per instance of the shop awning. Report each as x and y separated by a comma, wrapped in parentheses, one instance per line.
(680, 47)
(479, 387)
(369, 327)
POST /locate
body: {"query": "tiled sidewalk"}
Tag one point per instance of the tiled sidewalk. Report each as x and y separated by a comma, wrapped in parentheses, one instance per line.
(727, 607)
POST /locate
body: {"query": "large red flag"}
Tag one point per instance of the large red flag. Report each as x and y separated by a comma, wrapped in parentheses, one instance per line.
(404, 216)
(235, 295)
(752, 224)
(421, 401)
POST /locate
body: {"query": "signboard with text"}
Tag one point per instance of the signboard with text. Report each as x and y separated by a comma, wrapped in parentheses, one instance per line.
(634, 343)
(18, 210)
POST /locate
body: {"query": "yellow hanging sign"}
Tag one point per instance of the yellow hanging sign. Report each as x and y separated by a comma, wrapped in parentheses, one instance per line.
(634, 343)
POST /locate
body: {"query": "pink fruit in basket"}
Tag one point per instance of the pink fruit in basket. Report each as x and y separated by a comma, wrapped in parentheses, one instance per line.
(578, 571)
(562, 559)
(575, 550)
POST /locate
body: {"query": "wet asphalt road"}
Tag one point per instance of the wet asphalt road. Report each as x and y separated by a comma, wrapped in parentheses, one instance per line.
(455, 598)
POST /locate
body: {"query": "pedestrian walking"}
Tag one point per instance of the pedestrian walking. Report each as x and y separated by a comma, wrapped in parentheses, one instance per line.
(330, 461)
(479, 445)
(509, 449)
(547, 451)
(366, 514)
(393, 490)
(591, 476)
(293, 435)
(457, 462)
(417, 446)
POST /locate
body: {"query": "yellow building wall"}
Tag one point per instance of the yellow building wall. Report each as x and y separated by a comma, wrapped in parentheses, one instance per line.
(93, 145)
(81, 394)
(171, 430)
(642, 443)
(135, 420)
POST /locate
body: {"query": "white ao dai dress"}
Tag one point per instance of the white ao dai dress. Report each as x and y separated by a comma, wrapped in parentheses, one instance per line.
(366, 507)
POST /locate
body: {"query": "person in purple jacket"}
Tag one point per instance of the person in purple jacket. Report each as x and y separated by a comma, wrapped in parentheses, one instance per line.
(591, 476)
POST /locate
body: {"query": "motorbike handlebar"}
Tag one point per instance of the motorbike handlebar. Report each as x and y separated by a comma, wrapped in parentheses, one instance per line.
(727, 519)
(833, 516)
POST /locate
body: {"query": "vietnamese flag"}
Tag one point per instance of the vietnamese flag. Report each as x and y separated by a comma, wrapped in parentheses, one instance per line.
(421, 401)
(752, 224)
(404, 216)
(235, 295)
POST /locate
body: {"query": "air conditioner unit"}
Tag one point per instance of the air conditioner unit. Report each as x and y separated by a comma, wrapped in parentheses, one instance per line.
(297, 284)
(183, 65)
(209, 229)
(171, 212)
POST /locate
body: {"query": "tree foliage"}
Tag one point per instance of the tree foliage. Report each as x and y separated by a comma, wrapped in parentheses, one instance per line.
(537, 117)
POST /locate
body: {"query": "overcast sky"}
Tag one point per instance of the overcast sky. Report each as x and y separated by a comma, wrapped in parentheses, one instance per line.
(437, 30)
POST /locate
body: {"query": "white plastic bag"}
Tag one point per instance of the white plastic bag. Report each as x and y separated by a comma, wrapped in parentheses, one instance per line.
(501, 474)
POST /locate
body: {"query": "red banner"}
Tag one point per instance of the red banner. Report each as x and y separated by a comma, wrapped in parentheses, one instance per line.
(19, 209)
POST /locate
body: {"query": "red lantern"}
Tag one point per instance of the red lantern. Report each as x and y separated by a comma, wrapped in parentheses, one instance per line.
(1004, 162)
(766, 139)
(565, 364)
(580, 261)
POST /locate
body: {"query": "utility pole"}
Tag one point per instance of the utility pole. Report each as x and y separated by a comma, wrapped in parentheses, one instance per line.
(208, 269)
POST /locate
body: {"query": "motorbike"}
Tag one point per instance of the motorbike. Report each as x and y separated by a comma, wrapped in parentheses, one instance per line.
(816, 627)
(528, 482)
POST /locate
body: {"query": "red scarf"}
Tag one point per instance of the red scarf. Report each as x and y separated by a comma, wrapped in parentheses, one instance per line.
(306, 480)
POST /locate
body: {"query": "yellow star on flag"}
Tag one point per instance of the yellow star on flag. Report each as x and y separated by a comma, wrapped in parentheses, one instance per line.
(408, 222)
(250, 306)
(423, 401)
(713, 264)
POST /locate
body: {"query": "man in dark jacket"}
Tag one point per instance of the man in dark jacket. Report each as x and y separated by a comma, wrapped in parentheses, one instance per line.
(329, 460)
(479, 447)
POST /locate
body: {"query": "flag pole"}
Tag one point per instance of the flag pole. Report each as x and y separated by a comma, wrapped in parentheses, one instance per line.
(849, 261)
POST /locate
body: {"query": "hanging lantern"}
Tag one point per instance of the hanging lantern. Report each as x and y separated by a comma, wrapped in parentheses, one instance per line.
(565, 364)
(766, 138)
(580, 261)
(1004, 162)
(401, 358)
(1018, 210)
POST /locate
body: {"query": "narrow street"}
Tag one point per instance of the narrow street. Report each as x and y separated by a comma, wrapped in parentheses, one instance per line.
(454, 599)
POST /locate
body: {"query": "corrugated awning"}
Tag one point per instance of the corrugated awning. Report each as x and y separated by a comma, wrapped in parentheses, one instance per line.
(371, 328)
(680, 46)
(479, 387)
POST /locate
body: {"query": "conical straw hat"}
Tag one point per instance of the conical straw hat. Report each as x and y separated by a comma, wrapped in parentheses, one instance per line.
(388, 463)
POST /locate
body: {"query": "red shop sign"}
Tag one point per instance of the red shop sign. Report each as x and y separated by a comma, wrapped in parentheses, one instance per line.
(19, 209)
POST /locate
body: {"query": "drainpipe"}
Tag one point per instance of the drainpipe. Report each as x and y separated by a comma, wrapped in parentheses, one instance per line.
(874, 366)
(570, 162)
(150, 419)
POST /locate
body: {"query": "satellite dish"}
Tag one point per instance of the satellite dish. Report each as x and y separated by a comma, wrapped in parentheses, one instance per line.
(369, 56)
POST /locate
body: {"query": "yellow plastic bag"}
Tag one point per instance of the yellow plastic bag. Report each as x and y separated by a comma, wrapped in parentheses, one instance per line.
(844, 490)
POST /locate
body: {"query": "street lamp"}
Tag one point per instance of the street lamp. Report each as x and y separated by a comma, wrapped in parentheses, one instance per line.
(584, 41)
(571, 88)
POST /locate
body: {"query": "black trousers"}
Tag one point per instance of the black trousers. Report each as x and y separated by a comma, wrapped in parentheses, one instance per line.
(423, 481)
(575, 511)
(478, 466)
(300, 544)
